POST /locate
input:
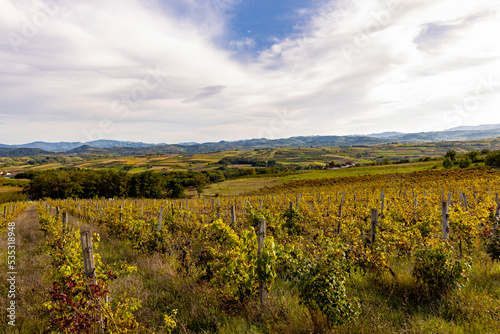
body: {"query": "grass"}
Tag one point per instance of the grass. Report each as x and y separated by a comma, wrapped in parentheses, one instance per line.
(236, 187)
(10, 189)
(11, 194)
(399, 305)
(31, 284)
(242, 186)
(388, 304)
(364, 170)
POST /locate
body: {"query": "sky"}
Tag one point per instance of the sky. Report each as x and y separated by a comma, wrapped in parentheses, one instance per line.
(174, 71)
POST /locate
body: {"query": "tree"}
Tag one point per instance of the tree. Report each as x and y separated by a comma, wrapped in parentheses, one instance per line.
(465, 162)
(452, 154)
(474, 156)
(271, 163)
(200, 180)
(249, 171)
(175, 188)
(147, 185)
(447, 163)
(493, 159)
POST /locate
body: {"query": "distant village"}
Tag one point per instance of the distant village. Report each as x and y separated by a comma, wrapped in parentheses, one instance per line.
(347, 164)
(8, 175)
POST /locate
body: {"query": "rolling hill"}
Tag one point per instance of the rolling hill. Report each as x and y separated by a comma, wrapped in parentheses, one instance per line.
(126, 148)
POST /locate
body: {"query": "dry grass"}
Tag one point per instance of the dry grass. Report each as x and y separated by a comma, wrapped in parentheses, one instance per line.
(241, 186)
(31, 284)
(7, 189)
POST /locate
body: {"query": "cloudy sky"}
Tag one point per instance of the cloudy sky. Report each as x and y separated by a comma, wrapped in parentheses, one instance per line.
(170, 71)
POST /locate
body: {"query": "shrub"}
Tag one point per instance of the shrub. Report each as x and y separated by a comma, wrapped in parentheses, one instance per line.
(465, 162)
(452, 155)
(435, 268)
(235, 262)
(493, 159)
(293, 222)
(321, 286)
(474, 156)
(447, 163)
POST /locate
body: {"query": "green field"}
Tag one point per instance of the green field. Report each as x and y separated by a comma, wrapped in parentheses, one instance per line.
(241, 186)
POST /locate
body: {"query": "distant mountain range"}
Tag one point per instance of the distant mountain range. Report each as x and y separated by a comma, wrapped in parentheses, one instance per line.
(125, 148)
(479, 127)
(66, 146)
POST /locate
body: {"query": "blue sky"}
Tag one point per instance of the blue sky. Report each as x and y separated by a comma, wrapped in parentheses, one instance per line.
(251, 26)
(267, 21)
(209, 70)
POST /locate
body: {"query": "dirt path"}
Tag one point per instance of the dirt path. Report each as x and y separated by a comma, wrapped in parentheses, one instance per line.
(31, 270)
(32, 278)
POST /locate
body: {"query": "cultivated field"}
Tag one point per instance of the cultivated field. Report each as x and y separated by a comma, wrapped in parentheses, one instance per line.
(351, 254)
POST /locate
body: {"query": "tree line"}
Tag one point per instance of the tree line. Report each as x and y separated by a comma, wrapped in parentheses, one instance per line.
(85, 183)
(489, 158)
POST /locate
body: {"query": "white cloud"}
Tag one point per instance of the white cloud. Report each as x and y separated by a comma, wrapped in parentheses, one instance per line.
(241, 44)
(125, 70)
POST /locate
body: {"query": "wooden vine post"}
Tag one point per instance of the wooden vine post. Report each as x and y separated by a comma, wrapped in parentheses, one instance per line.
(340, 213)
(374, 223)
(328, 207)
(88, 255)
(382, 202)
(233, 216)
(64, 222)
(89, 266)
(497, 219)
(445, 215)
(262, 284)
(5, 212)
(160, 219)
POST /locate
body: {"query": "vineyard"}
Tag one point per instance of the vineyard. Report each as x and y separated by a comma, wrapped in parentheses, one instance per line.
(8, 212)
(393, 253)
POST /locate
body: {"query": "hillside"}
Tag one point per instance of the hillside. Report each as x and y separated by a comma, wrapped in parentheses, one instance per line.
(126, 148)
(293, 158)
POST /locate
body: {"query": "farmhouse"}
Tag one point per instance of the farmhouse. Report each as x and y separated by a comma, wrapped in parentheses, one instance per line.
(347, 164)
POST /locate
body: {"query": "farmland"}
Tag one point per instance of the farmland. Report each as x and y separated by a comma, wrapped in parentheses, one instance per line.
(191, 265)
(407, 246)
(296, 158)
(235, 172)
